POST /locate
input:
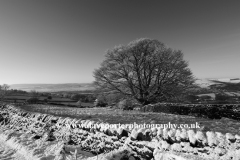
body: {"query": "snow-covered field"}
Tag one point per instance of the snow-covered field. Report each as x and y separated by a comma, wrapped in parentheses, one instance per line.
(19, 146)
(6, 152)
(36, 136)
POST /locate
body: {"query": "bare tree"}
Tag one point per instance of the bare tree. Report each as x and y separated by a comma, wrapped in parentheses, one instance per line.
(34, 94)
(3, 91)
(146, 70)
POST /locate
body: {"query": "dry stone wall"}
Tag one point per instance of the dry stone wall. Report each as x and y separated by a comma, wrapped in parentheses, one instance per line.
(149, 144)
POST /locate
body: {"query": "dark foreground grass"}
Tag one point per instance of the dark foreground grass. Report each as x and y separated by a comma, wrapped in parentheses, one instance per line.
(115, 116)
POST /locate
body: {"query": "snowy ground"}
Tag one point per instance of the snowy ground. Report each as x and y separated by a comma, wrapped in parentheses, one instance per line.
(7, 152)
(21, 147)
(35, 136)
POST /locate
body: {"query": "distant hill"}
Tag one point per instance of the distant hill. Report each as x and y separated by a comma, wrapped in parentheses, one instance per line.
(53, 87)
(228, 86)
(218, 82)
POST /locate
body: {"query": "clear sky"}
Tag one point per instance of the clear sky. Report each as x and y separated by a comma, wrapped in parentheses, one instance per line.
(63, 41)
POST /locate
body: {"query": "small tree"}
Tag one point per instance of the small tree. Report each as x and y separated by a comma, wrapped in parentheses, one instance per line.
(86, 100)
(66, 95)
(3, 91)
(79, 104)
(34, 94)
(49, 97)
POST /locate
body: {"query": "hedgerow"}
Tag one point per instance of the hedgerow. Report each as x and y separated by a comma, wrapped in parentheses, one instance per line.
(212, 111)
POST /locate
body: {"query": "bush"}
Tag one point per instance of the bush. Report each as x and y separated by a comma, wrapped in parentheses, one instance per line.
(205, 97)
(126, 104)
(75, 97)
(33, 100)
(45, 100)
(222, 97)
(99, 103)
(215, 111)
(191, 98)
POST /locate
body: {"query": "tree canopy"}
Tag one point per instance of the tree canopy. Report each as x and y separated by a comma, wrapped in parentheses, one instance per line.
(145, 70)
